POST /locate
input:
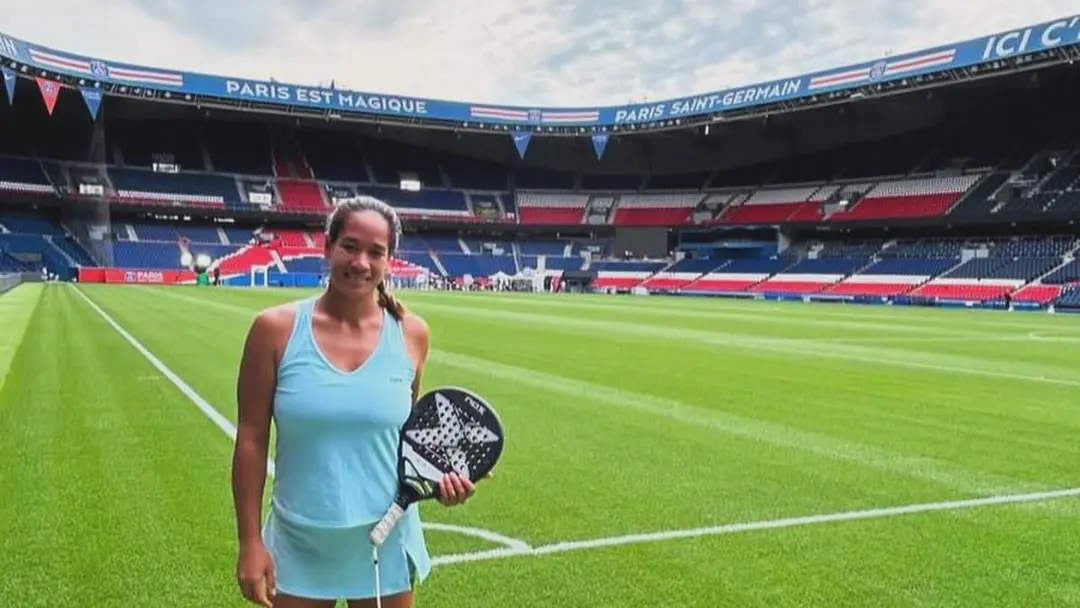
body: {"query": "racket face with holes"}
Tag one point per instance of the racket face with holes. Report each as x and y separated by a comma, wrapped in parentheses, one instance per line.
(450, 429)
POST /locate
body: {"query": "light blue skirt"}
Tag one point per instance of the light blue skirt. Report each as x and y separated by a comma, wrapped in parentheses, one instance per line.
(337, 563)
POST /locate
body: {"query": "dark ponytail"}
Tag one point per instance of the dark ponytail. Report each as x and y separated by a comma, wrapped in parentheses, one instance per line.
(390, 303)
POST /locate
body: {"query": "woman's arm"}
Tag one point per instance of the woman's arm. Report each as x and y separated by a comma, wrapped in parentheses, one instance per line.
(254, 395)
(418, 340)
(453, 489)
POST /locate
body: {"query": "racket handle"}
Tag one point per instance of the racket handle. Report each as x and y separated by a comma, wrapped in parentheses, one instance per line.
(386, 524)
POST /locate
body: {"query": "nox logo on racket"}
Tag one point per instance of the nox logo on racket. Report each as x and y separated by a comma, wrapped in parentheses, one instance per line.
(478, 408)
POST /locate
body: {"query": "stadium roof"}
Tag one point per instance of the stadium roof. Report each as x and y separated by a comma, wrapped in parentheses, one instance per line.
(1055, 40)
(528, 52)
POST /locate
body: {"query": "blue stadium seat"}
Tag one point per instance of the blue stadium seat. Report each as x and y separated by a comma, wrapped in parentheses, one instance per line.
(1023, 268)
(311, 265)
(910, 266)
(190, 187)
(827, 266)
(411, 242)
(239, 236)
(22, 171)
(200, 234)
(74, 250)
(534, 248)
(1070, 297)
(945, 248)
(697, 265)
(155, 256)
(755, 266)
(58, 243)
(434, 200)
(626, 266)
(1068, 273)
(24, 223)
(552, 262)
(35, 246)
(974, 268)
(419, 258)
(1030, 247)
(443, 244)
(850, 250)
(460, 264)
(156, 232)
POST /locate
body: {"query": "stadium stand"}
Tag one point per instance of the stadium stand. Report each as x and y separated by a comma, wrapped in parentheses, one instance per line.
(540, 208)
(894, 199)
(615, 274)
(655, 209)
(30, 243)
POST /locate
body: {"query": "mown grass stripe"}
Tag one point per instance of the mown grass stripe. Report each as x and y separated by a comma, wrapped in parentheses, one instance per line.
(17, 307)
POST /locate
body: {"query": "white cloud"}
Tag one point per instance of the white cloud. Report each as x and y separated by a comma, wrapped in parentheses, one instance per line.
(528, 52)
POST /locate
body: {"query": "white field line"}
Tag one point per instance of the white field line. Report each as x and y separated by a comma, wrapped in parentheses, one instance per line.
(510, 543)
(772, 524)
(227, 427)
(515, 547)
(1052, 336)
(761, 310)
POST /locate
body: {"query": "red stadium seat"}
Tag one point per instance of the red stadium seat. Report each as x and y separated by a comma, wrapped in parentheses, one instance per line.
(967, 291)
(1040, 294)
(550, 215)
(301, 196)
(651, 216)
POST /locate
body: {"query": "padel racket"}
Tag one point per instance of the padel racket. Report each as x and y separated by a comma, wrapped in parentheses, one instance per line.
(450, 429)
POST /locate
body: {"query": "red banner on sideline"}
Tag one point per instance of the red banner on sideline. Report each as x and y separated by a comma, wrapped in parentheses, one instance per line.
(135, 276)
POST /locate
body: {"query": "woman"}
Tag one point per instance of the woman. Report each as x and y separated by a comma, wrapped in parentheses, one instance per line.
(334, 372)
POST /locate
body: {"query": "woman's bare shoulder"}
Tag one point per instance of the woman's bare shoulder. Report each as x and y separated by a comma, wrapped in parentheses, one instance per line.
(415, 326)
(417, 333)
(272, 325)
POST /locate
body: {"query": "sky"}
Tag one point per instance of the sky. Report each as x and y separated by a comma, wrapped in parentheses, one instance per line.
(523, 52)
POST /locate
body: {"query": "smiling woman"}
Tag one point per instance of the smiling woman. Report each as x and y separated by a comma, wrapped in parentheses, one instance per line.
(327, 371)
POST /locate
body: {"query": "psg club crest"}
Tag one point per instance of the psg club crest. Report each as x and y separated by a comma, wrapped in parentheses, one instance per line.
(877, 70)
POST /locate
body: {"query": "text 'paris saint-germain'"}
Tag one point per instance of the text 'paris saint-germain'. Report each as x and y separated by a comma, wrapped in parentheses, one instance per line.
(326, 97)
(708, 103)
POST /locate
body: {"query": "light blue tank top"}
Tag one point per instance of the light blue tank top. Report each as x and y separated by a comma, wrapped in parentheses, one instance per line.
(337, 431)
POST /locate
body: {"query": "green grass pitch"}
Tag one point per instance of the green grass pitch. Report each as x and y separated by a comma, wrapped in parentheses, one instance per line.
(661, 451)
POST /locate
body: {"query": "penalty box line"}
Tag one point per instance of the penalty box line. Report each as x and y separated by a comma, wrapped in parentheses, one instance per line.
(227, 427)
(517, 548)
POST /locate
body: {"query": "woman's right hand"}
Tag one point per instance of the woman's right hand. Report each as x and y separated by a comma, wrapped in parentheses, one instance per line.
(255, 573)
